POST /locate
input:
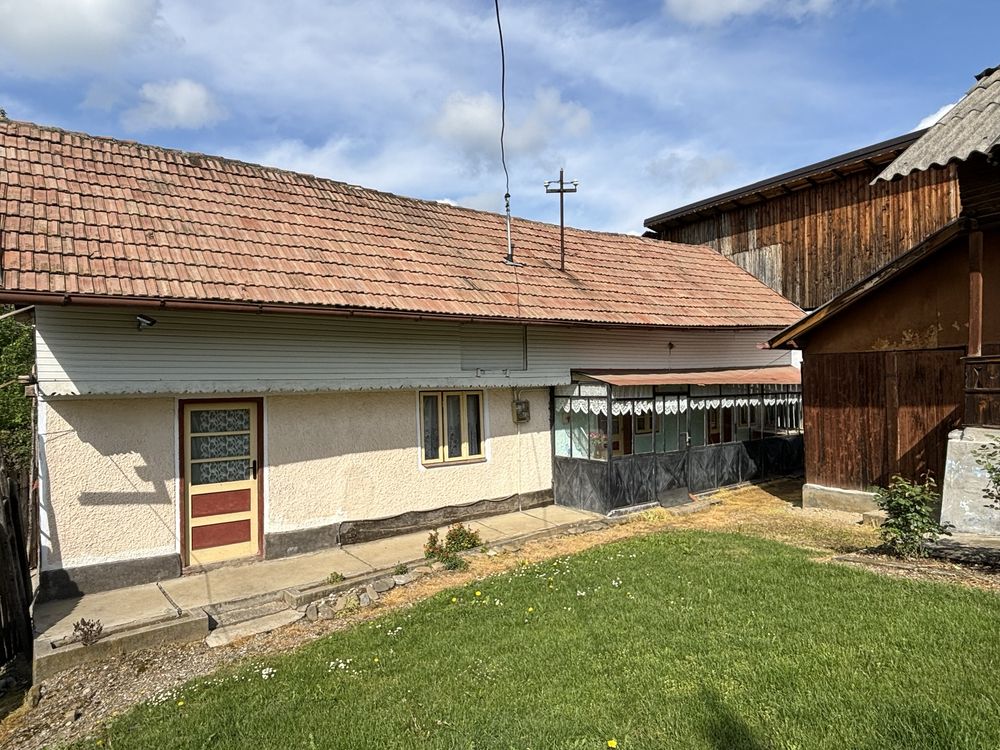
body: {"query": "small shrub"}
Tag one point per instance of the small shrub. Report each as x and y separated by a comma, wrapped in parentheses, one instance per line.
(988, 456)
(88, 632)
(433, 547)
(460, 537)
(910, 507)
(335, 577)
(454, 562)
(457, 539)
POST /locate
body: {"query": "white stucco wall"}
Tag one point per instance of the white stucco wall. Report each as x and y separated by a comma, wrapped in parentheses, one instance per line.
(352, 456)
(109, 480)
(110, 473)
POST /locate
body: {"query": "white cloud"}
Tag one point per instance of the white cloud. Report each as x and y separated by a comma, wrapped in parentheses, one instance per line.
(173, 104)
(472, 125)
(709, 12)
(693, 169)
(933, 118)
(39, 37)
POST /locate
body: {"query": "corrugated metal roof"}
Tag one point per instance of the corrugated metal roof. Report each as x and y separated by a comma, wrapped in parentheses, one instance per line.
(782, 375)
(971, 126)
(101, 220)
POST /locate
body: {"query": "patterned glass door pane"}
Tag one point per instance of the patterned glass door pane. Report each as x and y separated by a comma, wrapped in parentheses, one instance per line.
(213, 472)
(220, 446)
(220, 420)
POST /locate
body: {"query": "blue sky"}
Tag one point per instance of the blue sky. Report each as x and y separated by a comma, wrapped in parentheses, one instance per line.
(650, 104)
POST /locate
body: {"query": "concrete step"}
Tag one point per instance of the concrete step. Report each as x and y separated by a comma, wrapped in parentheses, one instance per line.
(226, 634)
(234, 616)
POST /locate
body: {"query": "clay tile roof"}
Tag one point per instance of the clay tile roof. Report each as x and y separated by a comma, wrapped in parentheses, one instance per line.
(86, 216)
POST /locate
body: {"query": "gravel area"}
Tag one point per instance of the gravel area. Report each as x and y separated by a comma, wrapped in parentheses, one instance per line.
(73, 704)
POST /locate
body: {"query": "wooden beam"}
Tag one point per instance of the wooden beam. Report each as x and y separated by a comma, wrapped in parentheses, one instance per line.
(975, 295)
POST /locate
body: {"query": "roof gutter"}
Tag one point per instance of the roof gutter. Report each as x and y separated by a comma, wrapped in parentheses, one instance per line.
(93, 300)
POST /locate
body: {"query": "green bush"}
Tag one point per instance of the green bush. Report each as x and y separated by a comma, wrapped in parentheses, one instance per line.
(910, 507)
(460, 538)
(988, 456)
(457, 539)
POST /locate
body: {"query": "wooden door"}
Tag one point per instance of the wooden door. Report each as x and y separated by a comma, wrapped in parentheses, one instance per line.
(222, 491)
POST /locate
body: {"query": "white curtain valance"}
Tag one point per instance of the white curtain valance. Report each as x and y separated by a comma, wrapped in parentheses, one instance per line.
(672, 404)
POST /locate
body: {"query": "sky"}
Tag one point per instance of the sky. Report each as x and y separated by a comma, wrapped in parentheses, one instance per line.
(650, 104)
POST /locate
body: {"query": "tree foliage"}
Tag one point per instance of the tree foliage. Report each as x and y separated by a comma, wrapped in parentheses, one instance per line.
(17, 357)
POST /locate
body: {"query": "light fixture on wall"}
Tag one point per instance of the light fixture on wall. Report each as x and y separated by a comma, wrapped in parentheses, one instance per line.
(144, 321)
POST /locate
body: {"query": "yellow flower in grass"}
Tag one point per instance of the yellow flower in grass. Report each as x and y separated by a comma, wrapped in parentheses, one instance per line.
(180, 703)
(479, 593)
(531, 609)
(454, 599)
(612, 743)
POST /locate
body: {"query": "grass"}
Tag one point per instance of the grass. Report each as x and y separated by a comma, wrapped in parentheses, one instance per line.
(679, 639)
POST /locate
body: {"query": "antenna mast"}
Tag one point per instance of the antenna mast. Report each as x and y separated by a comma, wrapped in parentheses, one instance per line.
(562, 190)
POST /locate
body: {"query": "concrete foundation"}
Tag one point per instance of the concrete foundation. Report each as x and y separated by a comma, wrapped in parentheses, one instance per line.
(834, 498)
(963, 500)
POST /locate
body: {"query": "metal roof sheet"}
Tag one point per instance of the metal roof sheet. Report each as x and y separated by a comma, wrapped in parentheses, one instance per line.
(971, 126)
(781, 375)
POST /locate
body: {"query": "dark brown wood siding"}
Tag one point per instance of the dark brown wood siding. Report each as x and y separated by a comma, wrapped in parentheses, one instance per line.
(814, 243)
(869, 415)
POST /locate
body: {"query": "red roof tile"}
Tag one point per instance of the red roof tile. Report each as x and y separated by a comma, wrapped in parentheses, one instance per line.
(83, 215)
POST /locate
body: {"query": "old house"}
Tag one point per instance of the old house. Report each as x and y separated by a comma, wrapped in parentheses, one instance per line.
(901, 359)
(235, 361)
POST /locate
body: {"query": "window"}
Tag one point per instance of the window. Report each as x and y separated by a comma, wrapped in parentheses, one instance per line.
(451, 426)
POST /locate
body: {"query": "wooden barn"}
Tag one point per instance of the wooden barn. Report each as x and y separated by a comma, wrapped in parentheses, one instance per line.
(907, 355)
(812, 233)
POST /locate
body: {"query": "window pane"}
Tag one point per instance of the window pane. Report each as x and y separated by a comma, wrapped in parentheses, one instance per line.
(220, 446)
(580, 424)
(211, 472)
(220, 420)
(472, 422)
(667, 432)
(697, 427)
(453, 419)
(432, 430)
(562, 427)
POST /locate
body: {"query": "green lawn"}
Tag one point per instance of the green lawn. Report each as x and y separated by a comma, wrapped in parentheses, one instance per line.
(678, 640)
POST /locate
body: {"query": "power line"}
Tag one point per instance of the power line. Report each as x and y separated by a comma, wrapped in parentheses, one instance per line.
(503, 102)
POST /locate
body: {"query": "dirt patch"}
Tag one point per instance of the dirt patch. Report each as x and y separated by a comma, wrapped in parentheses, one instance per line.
(75, 703)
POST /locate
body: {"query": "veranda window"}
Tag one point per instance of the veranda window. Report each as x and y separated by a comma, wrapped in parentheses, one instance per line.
(451, 426)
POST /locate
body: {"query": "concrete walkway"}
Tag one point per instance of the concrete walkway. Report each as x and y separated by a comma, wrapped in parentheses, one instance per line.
(165, 600)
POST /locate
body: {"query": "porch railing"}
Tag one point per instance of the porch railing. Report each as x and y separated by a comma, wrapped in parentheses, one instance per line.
(982, 391)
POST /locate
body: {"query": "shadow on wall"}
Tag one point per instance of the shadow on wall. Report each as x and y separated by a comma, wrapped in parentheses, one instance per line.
(90, 445)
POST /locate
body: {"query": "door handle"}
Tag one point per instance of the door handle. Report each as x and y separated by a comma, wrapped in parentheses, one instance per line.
(253, 468)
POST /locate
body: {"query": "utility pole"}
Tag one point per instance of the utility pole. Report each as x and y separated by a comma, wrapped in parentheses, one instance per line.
(562, 190)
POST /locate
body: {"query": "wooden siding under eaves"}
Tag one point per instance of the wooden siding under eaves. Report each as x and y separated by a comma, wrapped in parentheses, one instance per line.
(814, 243)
